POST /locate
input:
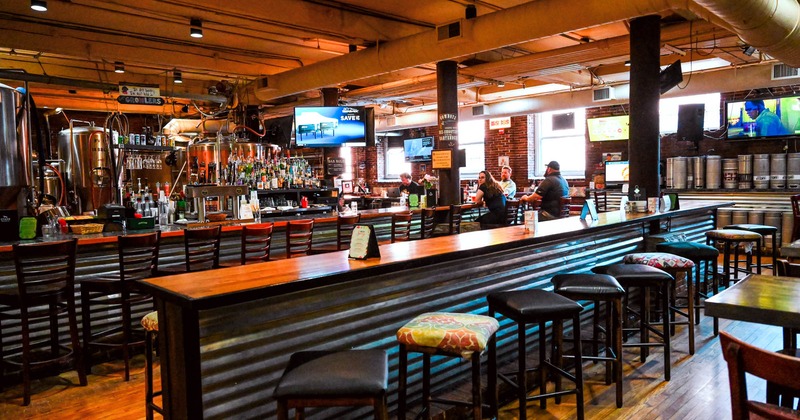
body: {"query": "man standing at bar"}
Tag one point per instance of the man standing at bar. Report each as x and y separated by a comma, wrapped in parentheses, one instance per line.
(549, 193)
(408, 186)
(509, 186)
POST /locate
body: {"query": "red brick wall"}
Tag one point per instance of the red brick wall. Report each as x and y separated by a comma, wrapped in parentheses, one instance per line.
(511, 142)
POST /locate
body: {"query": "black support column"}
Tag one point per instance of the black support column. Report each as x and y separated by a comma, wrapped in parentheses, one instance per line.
(644, 147)
(447, 110)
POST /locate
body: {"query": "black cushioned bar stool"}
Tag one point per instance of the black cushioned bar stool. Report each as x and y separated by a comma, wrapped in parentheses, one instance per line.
(672, 264)
(537, 307)
(646, 278)
(702, 256)
(444, 334)
(606, 289)
(763, 230)
(334, 379)
(732, 238)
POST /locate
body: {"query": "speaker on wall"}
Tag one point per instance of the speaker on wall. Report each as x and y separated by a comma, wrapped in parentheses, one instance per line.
(690, 122)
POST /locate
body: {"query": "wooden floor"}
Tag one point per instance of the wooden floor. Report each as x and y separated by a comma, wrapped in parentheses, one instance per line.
(698, 389)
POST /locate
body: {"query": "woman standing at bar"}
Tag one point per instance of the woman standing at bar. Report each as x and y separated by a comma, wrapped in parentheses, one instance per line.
(491, 194)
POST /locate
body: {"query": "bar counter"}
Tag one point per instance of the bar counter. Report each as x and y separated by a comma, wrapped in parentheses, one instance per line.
(226, 337)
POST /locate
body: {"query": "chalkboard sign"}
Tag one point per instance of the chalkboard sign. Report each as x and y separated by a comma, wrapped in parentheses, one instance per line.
(335, 166)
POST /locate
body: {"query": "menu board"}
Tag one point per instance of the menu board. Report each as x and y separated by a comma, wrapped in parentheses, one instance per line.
(335, 166)
(442, 159)
(364, 243)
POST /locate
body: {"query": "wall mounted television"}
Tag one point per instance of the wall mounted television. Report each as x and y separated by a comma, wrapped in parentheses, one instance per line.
(763, 118)
(608, 128)
(617, 172)
(329, 126)
(418, 150)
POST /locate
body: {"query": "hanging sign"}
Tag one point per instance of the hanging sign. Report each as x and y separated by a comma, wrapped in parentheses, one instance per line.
(139, 90)
(140, 100)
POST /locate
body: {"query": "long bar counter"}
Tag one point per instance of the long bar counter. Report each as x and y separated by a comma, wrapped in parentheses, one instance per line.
(226, 338)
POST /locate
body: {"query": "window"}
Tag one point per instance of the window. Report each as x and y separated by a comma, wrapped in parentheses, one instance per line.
(346, 153)
(471, 138)
(668, 111)
(561, 137)
(395, 164)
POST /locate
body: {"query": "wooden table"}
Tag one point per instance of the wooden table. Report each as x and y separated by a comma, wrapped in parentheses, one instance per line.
(762, 299)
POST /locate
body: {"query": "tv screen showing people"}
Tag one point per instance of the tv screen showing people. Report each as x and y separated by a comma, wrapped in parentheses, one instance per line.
(763, 118)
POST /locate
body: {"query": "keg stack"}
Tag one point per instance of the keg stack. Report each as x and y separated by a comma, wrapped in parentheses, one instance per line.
(745, 172)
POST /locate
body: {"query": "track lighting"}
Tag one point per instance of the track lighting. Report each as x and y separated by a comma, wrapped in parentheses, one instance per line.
(177, 77)
(501, 84)
(119, 67)
(39, 5)
(196, 30)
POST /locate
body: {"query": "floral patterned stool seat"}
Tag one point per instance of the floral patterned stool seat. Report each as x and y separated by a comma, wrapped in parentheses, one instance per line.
(674, 265)
(444, 334)
(150, 325)
(730, 239)
(535, 306)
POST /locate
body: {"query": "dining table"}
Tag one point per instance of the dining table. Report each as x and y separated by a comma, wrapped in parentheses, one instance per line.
(761, 299)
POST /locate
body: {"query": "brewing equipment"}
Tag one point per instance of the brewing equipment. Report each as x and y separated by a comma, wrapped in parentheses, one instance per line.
(87, 167)
(15, 151)
(206, 158)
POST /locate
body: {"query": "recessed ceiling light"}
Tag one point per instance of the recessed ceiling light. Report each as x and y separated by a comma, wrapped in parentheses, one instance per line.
(39, 5)
(119, 67)
(196, 30)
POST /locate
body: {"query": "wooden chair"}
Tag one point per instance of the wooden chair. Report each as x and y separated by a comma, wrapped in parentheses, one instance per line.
(512, 212)
(777, 369)
(456, 213)
(45, 293)
(427, 222)
(796, 212)
(256, 242)
(601, 200)
(345, 223)
(202, 248)
(401, 226)
(138, 259)
(298, 237)
(566, 202)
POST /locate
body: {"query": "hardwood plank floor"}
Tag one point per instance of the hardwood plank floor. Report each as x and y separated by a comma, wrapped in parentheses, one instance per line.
(698, 388)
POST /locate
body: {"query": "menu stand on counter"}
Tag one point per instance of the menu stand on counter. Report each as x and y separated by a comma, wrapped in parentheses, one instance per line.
(364, 243)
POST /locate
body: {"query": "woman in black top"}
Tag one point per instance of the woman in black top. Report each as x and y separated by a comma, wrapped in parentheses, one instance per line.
(491, 194)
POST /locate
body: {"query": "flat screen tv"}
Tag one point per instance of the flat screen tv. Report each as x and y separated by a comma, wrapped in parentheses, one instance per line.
(763, 118)
(418, 150)
(608, 128)
(329, 126)
(617, 172)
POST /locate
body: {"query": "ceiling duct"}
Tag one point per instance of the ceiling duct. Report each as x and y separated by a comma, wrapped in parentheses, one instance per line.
(603, 94)
(781, 71)
(449, 31)
(480, 110)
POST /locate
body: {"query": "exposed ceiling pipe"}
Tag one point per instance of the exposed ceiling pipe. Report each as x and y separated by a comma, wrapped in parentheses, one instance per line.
(535, 20)
(772, 26)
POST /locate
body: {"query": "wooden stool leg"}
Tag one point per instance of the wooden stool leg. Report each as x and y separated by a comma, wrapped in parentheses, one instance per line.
(148, 378)
(402, 378)
(492, 375)
(609, 340)
(381, 408)
(476, 385)
(644, 320)
(715, 288)
(690, 296)
(665, 308)
(617, 334)
(522, 389)
(558, 352)
(576, 328)
(426, 385)
(542, 366)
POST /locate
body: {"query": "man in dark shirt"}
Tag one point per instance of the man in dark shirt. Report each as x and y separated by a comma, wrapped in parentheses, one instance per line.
(408, 186)
(550, 192)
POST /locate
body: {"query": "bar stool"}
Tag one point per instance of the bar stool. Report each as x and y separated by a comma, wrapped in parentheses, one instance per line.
(401, 226)
(427, 222)
(763, 230)
(45, 291)
(334, 379)
(512, 212)
(299, 234)
(150, 325)
(202, 248)
(444, 334)
(345, 223)
(672, 264)
(646, 278)
(599, 288)
(256, 242)
(537, 307)
(138, 259)
(734, 237)
(699, 254)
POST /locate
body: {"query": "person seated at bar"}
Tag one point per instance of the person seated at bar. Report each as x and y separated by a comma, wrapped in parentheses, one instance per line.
(408, 186)
(490, 194)
(549, 192)
(508, 184)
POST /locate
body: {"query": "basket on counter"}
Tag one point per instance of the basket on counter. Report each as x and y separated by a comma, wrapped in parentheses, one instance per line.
(87, 228)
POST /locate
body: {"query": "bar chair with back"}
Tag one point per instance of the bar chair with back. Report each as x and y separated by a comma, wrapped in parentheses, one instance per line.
(601, 200)
(299, 234)
(45, 291)
(202, 248)
(401, 226)
(256, 242)
(345, 223)
(138, 259)
(427, 222)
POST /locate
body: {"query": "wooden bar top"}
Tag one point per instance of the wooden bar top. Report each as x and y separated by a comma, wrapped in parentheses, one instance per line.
(242, 283)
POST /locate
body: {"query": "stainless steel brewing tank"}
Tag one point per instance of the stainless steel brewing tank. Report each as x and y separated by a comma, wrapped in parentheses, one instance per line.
(87, 165)
(15, 150)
